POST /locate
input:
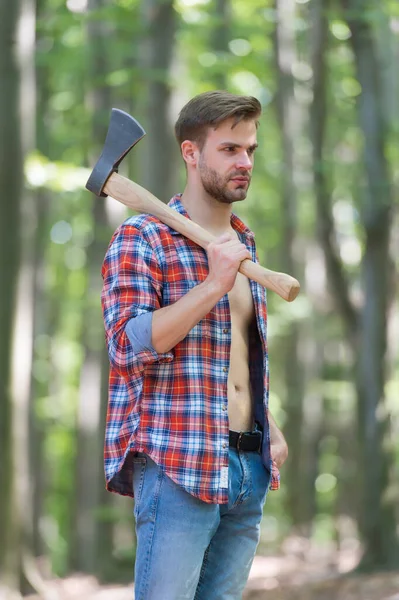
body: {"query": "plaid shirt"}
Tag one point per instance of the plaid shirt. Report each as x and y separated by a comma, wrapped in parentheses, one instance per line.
(170, 405)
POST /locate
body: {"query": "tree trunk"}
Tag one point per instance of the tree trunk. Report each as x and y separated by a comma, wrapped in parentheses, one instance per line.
(17, 234)
(40, 389)
(314, 428)
(10, 237)
(159, 149)
(25, 308)
(219, 42)
(290, 119)
(93, 394)
(366, 330)
(378, 525)
(338, 283)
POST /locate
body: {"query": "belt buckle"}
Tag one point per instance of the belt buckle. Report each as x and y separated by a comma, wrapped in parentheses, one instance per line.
(239, 439)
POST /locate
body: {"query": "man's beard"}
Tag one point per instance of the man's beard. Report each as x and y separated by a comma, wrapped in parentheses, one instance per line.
(216, 186)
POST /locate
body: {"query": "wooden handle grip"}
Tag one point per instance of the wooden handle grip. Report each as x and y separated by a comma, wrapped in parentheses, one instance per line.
(141, 200)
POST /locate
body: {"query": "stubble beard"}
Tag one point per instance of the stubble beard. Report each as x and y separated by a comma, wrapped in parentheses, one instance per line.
(216, 186)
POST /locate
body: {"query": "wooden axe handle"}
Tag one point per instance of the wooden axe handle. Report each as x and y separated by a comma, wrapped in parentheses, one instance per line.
(141, 200)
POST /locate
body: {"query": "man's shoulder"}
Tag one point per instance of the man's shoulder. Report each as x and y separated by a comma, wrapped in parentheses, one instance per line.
(147, 225)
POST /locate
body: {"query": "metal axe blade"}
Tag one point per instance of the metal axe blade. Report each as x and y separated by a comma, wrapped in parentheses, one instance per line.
(123, 133)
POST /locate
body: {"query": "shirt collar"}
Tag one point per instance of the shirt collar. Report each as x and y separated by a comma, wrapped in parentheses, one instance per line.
(235, 221)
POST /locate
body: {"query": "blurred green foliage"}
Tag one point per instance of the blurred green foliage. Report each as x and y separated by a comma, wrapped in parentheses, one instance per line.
(58, 169)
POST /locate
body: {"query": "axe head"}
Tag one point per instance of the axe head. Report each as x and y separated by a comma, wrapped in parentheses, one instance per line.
(123, 133)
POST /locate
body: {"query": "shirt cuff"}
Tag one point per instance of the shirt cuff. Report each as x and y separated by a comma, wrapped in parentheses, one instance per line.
(139, 330)
(275, 478)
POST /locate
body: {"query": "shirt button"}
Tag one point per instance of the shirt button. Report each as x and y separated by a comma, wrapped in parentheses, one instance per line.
(224, 445)
(224, 407)
(225, 331)
(225, 369)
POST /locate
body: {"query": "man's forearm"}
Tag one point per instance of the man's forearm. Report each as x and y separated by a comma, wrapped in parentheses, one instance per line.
(278, 445)
(171, 324)
(276, 435)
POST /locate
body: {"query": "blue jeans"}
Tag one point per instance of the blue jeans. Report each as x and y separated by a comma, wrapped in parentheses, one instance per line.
(188, 549)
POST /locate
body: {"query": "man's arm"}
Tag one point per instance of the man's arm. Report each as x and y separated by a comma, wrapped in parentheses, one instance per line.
(132, 289)
(162, 329)
(278, 445)
(171, 324)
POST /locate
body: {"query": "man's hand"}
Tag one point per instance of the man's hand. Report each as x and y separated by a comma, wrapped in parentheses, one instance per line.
(279, 453)
(225, 255)
(278, 445)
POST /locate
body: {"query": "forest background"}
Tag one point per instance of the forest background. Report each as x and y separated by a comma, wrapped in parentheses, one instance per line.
(323, 205)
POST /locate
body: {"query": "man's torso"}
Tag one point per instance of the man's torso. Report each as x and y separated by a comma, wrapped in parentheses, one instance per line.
(175, 409)
(239, 394)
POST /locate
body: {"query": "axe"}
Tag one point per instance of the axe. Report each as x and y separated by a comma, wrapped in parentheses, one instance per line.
(123, 133)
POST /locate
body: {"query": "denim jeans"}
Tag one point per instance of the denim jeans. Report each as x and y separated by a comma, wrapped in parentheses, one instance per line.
(188, 549)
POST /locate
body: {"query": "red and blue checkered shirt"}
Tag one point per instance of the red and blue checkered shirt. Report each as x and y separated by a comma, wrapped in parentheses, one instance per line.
(170, 405)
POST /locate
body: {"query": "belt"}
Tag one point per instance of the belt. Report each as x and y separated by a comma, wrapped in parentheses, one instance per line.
(248, 441)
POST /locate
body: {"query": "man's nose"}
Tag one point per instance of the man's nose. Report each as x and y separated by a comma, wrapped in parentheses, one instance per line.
(244, 161)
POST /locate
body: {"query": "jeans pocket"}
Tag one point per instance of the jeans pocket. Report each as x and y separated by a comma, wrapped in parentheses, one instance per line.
(139, 466)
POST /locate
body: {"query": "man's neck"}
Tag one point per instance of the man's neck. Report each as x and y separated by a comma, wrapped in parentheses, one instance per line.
(212, 215)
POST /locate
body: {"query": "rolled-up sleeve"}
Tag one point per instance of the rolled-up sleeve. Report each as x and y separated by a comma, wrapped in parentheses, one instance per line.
(132, 286)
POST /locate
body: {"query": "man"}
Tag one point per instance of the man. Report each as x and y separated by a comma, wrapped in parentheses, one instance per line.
(189, 433)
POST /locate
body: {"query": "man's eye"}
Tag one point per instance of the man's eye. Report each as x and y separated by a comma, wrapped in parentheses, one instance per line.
(230, 148)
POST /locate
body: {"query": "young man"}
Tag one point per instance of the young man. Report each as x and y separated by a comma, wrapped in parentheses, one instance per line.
(189, 432)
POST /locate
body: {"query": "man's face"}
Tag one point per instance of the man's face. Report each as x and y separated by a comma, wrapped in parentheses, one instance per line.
(226, 160)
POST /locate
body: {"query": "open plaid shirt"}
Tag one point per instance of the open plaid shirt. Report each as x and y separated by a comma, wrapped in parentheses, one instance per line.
(170, 405)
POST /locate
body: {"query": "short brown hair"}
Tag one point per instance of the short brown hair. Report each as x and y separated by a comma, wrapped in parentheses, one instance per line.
(209, 110)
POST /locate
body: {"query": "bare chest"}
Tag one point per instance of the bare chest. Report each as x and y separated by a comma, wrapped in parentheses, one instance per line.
(241, 302)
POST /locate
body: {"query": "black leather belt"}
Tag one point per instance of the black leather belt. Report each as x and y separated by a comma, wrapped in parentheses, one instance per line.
(247, 441)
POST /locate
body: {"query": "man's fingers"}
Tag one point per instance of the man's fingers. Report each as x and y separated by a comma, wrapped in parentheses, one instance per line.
(230, 244)
(225, 237)
(240, 252)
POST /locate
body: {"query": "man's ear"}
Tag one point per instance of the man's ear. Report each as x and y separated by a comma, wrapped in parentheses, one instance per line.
(190, 153)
